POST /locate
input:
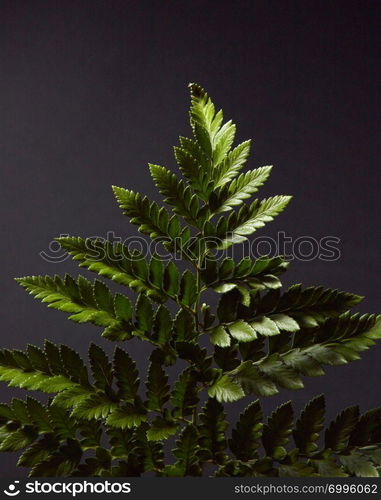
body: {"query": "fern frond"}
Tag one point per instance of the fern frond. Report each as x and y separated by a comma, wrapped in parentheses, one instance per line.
(306, 459)
(177, 194)
(309, 426)
(338, 341)
(212, 429)
(186, 451)
(241, 188)
(84, 301)
(248, 219)
(225, 389)
(18, 371)
(309, 306)
(232, 165)
(161, 428)
(245, 436)
(257, 275)
(184, 397)
(298, 308)
(114, 261)
(152, 220)
(98, 421)
(277, 431)
(204, 121)
(126, 374)
(157, 386)
(196, 174)
(101, 368)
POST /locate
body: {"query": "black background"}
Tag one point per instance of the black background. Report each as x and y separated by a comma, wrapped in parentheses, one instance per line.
(91, 91)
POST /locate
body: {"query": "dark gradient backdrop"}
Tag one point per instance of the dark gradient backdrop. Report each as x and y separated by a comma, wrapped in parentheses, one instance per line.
(91, 91)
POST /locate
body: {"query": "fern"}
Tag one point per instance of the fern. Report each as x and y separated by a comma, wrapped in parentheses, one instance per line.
(102, 419)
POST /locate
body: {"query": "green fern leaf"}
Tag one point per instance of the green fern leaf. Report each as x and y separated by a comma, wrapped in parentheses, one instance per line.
(151, 219)
(39, 416)
(222, 142)
(220, 337)
(127, 416)
(204, 121)
(285, 323)
(274, 368)
(65, 426)
(265, 326)
(6, 413)
(238, 226)
(101, 367)
(114, 261)
(35, 381)
(328, 467)
(122, 442)
(161, 428)
(171, 279)
(144, 313)
(263, 339)
(91, 432)
(38, 451)
(186, 452)
(245, 436)
(212, 430)
(73, 365)
(298, 469)
(226, 358)
(232, 164)
(240, 189)
(334, 343)
(359, 465)
(162, 326)
(242, 331)
(96, 406)
(277, 431)
(194, 150)
(308, 306)
(225, 390)
(60, 463)
(177, 194)
(338, 433)
(246, 276)
(184, 398)
(126, 374)
(157, 386)
(195, 173)
(253, 351)
(18, 439)
(185, 326)
(151, 452)
(251, 380)
(72, 396)
(38, 359)
(309, 425)
(368, 425)
(53, 359)
(188, 288)
(84, 301)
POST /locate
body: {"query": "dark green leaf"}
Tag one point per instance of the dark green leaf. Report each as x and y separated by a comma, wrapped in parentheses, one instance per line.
(309, 425)
(101, 367)
(247, 433)
(126, 374)
(277, 430)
